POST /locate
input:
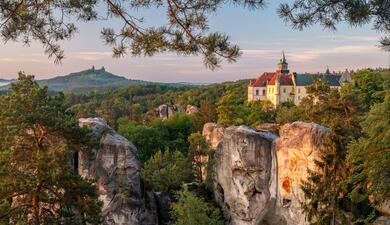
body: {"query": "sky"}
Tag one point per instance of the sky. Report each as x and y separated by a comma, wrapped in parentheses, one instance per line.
(261, 35)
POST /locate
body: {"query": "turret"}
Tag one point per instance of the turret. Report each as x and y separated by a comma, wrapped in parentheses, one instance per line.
(283, 65)
(327, 72)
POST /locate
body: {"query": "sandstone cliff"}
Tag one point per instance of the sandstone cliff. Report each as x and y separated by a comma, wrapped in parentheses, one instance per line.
(116, 169)
(213, 133)
(258, 175)
(297, 148)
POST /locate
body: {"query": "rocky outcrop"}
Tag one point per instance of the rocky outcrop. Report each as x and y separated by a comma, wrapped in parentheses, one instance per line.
(115, 167)
(165, 111)
(382, 220)
(384, 208)
(258, 175)
(245, 175)
(191, 109)
(213, 133)
(297, 148)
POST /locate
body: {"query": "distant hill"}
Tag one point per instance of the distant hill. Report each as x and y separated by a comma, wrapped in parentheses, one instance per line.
(90, 79)
(4, 82)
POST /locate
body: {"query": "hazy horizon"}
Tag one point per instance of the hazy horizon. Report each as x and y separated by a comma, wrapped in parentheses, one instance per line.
(261, 35)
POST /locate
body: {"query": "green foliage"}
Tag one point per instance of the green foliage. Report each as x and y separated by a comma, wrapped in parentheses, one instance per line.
(231, 108)
(199, 154)
(370, 155)
(325, 188)
(148, 139)
(185, 31)
(91, 79)
(366, 86)
(167, 171)
(192, 210)
(322, 189)
(171, 133)
(287, 113)
(38, 184)
(207, 113)
(179, 127)
(260, 112)
(329, 13)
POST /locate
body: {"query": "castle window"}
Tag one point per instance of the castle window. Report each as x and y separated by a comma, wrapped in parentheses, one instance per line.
(299, 90)
(263, 92)
(257, 92)
(284, 90)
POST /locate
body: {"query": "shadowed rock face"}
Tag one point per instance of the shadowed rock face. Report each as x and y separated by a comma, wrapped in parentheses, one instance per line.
(244, 175)
(165, 111)
(116, 168)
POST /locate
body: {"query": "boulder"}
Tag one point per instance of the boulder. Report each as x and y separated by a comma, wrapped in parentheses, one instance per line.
(165, 111)
(191, 109)
(297, 148)
(213, 133)
(384, 208)
(245, 175)
(115, 167)
(382, 220)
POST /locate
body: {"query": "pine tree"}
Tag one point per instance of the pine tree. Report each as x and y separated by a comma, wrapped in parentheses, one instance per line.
(193, 210)
(199, 154)
(369, 157)
(325, 190)
(167, 171)
(207, 113)
(38, 184)
(322, 190)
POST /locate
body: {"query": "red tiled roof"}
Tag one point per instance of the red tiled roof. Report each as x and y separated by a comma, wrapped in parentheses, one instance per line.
(261, 81)
(283, 79)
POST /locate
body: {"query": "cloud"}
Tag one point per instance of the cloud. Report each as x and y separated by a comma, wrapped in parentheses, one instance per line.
(89, 56)
(304, 55)
(308, 55)
(354, 38)
(22, 60)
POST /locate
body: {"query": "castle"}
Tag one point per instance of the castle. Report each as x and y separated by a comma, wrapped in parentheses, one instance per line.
(282, 86)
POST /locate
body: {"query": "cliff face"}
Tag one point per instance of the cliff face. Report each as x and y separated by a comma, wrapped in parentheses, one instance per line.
(297, 148)
(258, 175)
(213, 133)
(245, 175)
(116, 169)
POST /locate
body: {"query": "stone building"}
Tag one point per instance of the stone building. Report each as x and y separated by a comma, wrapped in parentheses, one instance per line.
(282, 86)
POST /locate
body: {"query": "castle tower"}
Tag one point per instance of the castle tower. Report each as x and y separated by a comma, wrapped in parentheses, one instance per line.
(283, 65)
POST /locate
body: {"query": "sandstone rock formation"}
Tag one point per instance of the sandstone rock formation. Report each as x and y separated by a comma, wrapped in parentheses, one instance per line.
(383, 220)
(116, 169)
(191, 109)
(297, 148)
(245, 175)
(213, 133)
(258, 175)
(165, 111)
